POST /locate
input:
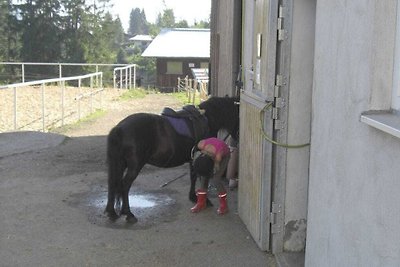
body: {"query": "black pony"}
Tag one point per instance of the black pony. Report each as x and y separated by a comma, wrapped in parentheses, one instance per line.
(144, 138)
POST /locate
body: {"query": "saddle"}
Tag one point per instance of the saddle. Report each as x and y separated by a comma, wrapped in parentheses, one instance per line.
(188, 121)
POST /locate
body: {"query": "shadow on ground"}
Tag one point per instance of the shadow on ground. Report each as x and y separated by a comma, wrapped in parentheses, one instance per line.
(52, 200)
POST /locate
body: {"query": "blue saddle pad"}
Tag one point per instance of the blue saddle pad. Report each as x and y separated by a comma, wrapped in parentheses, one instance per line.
(180, 125)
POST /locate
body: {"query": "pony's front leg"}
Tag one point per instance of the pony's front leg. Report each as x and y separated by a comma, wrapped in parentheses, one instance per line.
(193, 178)
(110, 210)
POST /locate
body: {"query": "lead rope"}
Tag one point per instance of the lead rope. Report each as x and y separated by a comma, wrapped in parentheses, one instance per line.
(268, 138)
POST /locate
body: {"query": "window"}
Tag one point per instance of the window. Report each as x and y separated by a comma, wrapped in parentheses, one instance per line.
(174, 67)
(396, 74)
(389, 120)
(203, 65)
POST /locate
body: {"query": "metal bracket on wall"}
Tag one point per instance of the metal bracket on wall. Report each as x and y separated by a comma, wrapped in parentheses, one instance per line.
(278, 102)
(276, 210)
(281, 30)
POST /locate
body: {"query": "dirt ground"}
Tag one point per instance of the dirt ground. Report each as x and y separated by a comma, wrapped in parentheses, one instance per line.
(34, 101)
(52, 203)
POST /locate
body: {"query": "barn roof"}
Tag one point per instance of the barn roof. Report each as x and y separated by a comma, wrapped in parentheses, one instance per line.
(141, 37)
(180, 43)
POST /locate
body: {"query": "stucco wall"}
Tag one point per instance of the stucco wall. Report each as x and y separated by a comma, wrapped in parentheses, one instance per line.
(353, 212)
(299, 120)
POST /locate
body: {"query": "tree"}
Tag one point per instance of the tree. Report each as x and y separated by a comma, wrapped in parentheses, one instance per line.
(75, 13)
(3, 34)
(122, 57)
(39, 23)
(9, 41)
(40, 31)
(137, 22)
(202, 24)
(60, 31)
(167, 19)
(182, 24)
(3, 29)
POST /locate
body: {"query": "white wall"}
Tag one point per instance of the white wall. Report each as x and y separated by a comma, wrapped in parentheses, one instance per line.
(298, 121)
(354, 186)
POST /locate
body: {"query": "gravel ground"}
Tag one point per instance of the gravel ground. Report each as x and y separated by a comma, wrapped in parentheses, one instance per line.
(52, 202)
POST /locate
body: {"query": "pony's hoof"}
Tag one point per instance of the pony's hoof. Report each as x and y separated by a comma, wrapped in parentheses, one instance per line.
(112, 215)
(131, 219)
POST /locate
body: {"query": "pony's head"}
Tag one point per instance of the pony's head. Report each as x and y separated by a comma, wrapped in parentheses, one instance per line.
(222, 113)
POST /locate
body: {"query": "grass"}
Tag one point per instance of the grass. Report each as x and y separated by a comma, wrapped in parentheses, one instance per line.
(95, 115)
(183, 98)
(89, 118)
(141, 93)
(136, 93)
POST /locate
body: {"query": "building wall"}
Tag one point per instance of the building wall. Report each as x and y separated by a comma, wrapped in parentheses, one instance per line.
(169, 81)
(298, 123)
(225, 45)
(353, 211)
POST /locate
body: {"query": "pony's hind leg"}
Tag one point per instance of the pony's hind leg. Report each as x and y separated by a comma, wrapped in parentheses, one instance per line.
(116, 171)
(130, 176)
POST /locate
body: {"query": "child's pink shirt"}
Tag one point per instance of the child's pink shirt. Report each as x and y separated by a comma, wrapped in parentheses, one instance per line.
(220, 146)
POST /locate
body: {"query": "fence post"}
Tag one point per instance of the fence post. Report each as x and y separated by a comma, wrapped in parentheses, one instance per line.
(187, 86)
(79, 99)
(120, 79)
(62, 102)
(114, 79)
(101, 92)
(91, 96)
(134, 76)
(23, 72)
(97, 77)
(179, 84)
(43, 110)
(130, 77)
(126, 78)
(194, 90)
(15, 108)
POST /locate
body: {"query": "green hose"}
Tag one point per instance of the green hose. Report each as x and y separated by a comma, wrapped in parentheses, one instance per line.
(269, 139)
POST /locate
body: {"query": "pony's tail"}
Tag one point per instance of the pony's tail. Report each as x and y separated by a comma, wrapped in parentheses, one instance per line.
(116, 163)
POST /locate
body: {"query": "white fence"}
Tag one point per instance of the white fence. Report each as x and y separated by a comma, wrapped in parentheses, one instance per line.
(125, 77)
(59, 65)
(48, 109)
(193, 88)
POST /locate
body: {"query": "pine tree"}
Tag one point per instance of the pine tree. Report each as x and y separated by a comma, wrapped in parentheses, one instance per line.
(137, 22)
(167, 19)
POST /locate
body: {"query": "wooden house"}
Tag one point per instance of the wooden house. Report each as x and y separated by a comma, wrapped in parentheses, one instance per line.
(141, 41)
(177, 51)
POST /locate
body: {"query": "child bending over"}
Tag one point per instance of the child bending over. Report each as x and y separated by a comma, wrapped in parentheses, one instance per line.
(211, 162)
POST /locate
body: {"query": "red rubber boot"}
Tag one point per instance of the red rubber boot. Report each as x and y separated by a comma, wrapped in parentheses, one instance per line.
(223, 206)
(201, 201)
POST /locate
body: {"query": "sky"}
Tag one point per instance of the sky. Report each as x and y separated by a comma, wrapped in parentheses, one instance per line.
(189, 10)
